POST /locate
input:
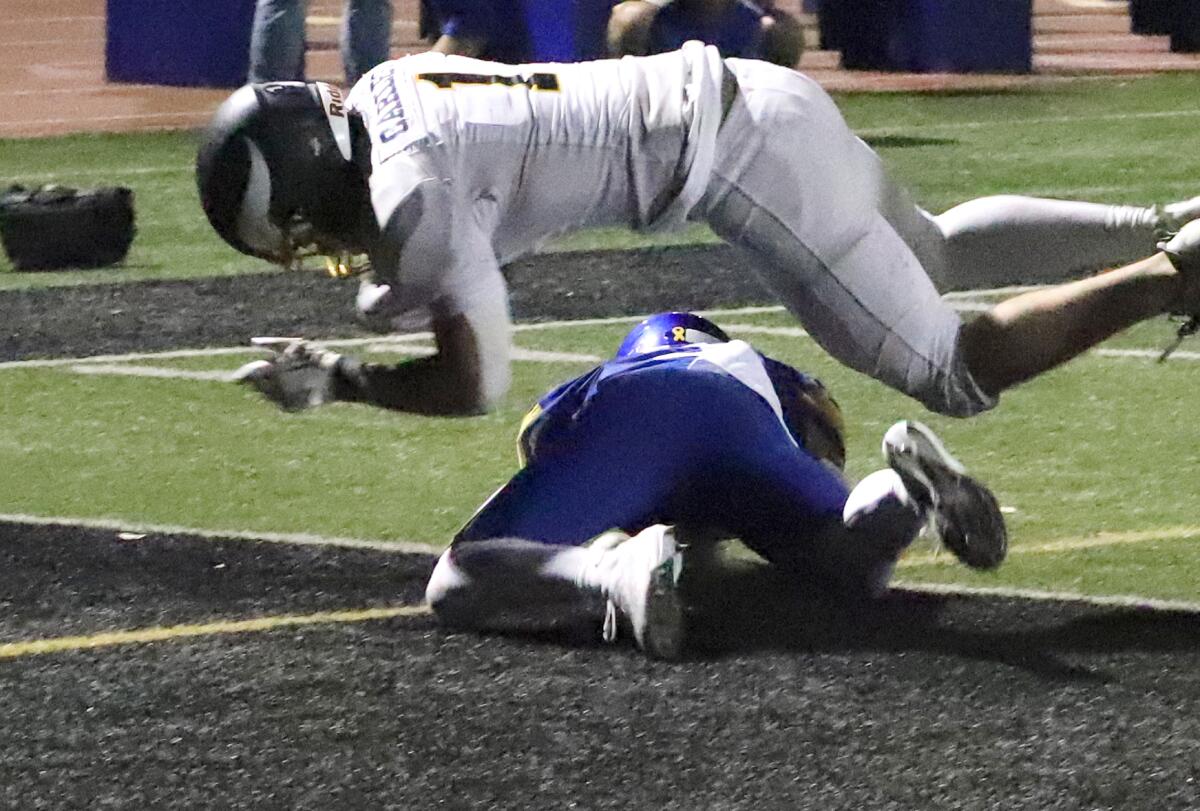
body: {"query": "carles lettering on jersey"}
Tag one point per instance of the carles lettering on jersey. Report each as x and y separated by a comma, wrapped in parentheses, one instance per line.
(391, 121)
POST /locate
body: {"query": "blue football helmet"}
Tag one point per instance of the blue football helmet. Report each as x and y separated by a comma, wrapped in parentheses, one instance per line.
(667, 330)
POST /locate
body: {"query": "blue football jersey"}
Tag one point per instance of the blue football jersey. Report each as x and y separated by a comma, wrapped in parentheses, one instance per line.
(549, 421)
(692, 436)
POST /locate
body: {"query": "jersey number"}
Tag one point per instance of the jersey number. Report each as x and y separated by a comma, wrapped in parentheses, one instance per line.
(534, 81)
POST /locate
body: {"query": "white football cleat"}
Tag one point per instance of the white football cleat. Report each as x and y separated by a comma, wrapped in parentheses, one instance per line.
(643, 587)
(1176, 215)
(249, 372)
(1183, 249)
(964, 512)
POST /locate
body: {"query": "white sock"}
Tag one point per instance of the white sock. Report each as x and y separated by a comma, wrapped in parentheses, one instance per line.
(879, 506)
(506, 583)
(881, 497)
(584, 565)
(1009, 239)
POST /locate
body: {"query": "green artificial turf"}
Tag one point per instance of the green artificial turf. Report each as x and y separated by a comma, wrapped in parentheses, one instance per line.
(1101, 446)
(1092, 448)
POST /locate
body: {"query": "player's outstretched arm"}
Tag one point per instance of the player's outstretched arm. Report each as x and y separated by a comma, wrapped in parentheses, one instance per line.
(468, 373)
(466, 376)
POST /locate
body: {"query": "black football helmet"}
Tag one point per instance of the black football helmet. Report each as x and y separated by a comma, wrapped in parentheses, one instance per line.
(282, 173)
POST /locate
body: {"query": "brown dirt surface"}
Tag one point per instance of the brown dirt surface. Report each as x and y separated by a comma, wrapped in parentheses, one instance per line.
(52, 54)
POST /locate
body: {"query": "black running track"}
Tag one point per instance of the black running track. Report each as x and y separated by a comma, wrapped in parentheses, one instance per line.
(786, 702)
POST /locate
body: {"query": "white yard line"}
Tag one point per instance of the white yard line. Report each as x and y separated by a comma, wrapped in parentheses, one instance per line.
(965, 301)
(127, 370)
(518, 353)
(47, 363)
(225, 376)
(385, 342)
(760, 329)
(118, 525)
(212, 351)
(545, 356)
(538, 326)
(1153, 354)
(410, 547)
(122, 172)
(1102, 539)
(1038, 595)
(1098, 540)
(951, 126)
(992, 292)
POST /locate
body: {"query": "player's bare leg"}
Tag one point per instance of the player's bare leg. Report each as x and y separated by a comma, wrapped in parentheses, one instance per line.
(1029, 334)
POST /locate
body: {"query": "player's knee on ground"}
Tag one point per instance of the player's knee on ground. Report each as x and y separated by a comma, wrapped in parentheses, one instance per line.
(446, 591)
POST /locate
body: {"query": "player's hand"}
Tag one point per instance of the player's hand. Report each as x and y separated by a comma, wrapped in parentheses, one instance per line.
(297, 376)
(376, 305)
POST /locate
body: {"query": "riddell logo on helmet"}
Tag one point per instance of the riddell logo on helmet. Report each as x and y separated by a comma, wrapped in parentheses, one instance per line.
(336, 104)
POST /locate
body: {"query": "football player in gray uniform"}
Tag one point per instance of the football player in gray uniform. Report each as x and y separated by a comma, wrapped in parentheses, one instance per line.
(442, 168)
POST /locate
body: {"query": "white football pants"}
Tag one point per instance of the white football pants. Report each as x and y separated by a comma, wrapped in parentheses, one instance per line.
(859, 264)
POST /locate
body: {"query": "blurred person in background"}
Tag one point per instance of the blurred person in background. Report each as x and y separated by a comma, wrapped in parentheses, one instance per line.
(741, 28)
(489, 30)
(278, 43)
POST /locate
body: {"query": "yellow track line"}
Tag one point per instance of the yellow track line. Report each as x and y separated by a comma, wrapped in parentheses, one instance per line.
(106, 639)
(33, 647)
(1070, 544)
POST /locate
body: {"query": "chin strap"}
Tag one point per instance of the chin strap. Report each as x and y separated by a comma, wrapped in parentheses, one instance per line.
(344, 266)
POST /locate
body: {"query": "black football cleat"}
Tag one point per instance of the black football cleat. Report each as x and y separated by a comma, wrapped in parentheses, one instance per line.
(964, 512)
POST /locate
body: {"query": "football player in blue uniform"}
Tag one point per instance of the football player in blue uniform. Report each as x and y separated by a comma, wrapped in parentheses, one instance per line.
(749, 29)
(489, 30)
(686, 433)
